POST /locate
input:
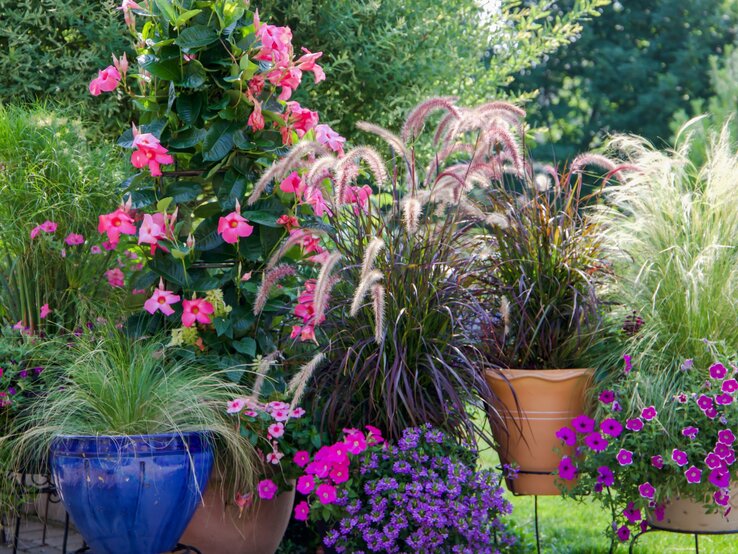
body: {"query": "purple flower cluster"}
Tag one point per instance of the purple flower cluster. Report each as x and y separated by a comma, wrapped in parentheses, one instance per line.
(644, 458)
(422, 495)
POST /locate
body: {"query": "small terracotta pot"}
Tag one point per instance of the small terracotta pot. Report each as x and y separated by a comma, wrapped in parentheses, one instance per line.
(689, 516)
(216, 527)
(536, 404)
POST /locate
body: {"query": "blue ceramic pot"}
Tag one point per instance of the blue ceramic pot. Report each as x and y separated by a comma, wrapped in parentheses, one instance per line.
(131, 494)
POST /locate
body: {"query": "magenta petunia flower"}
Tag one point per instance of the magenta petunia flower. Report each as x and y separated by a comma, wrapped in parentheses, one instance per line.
(583, 424)
(718, 371)
(721, 498)
(690, 432)
(628, 365)
(723, 399)
(635, 424)
(646, 490)
(567, 435)
(632, 514)
(731, 385)
(720, 478)
(611, 427)
(567, 469)
(624, 457)
(726, 436)
(326, 493)
(623, 533)
(657, 461)
(606, 476)
(711, 412)
(704, 402)
(713, 461)
(693, 475)
(267, 489)
(607, 397)
(679, 457)
(302, 511)
(305, 484)
(722, 450)
(648, 413)
(658, 512)
(596, 442)
(301, 458)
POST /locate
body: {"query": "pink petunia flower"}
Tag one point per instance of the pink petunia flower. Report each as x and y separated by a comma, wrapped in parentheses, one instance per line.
(305, 484)
(607, 397)
(302, 511)
(326, 493)
(723, 399)
(726, 436)
(267, 489)
(628, 364)
(605, 476)
(596, 442)
(704, 402)
(355, 442)
(301, 458)
(729, 386)
(690, 432)
(632, 514)
(74, 239)
(95, 249)
(713, 461)
(196, 310)
(567, 436)
(297, 413)
(623, 533)
(657, 461)
(719, 478)
(339, 474)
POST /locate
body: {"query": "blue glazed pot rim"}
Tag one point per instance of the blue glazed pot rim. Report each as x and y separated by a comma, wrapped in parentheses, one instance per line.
(131, 445)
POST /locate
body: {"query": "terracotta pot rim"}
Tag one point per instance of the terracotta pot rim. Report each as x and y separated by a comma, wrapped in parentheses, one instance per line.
(542, 374)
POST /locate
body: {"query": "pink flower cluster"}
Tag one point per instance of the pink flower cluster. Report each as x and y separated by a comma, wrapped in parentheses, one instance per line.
(46, 227)
(149, 153)
(305, 310)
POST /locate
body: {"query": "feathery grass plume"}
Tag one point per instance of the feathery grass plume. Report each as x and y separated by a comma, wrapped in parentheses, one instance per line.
(497, 135)
(344, 171)
(411, 211)
(551, 170)
(447, 124)
(598, 160)
(497, 220)
(262, 368)
(389, 137)
(271, 277)
(369, 280)
(416, 118)
(319, 170)
(378, 306)
(615, 171)
(505, 312)
(371, 252)
(281, 168)
(323, 286)
(500, 106)
(293, 240)
(297, 385)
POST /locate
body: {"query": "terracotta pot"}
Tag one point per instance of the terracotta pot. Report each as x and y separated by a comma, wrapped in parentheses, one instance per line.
(539, 403)
(689, 516)
(216, 527)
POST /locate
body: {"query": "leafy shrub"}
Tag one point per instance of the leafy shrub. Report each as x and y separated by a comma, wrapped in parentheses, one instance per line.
(51, 50)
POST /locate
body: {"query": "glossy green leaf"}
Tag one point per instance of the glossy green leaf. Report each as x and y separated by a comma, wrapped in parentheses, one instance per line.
(185, 17)
(183, 191)
(218, 141)
(189, 107)
(196, 36)
(246, 345)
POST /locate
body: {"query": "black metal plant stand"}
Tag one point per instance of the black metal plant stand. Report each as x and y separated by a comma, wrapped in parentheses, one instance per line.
(656, 529)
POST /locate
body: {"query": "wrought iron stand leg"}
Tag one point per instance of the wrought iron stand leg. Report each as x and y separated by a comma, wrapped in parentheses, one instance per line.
(17, 533)
(46, 518)
(535, 512)
(696, 543)
(66, 532)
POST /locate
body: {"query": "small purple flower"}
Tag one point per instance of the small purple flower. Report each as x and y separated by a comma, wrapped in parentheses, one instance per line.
(731, 385)
(658, 512)
(693, 475)
(607, 396)
(38, 370)
(623, 533)
(611, 427)
(718, 371)
(628, 365)
(635, 424)
(679, 457)
(23, 373)
(583, 424)
(657, 461)
(681, 398)
(648, 413)
(726, 436)
(632, 514)
(596, 442)
(616, 407)
(720, 478)
(567, 469)
(624, 457)
(567, 435)
(687, 365)
(606, 476)
(646, 490)
(690, 432)
(11, 391)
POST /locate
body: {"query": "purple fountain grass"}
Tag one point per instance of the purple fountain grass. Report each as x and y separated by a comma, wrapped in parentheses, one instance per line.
(378, 307)
(367, 281)
(324, 284)
(417, 117)
(271, 278)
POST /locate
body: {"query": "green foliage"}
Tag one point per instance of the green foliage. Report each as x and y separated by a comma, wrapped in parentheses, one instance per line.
(630, 71)
(382, 58)
(51, 49)
(670, 230)
(51, 171)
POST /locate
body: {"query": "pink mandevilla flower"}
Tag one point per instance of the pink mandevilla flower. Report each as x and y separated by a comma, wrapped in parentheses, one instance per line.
(116, 224)
(161, 300)
(149, 153)
(234, 226)
(196, 310)
(106, 81)
(330, 138)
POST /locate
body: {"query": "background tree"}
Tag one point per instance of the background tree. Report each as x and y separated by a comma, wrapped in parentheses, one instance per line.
(383, 57)
(630, 71)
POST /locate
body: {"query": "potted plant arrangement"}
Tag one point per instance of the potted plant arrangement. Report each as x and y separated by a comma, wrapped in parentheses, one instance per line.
(670, 230)
(130, 434)
(542, 314)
